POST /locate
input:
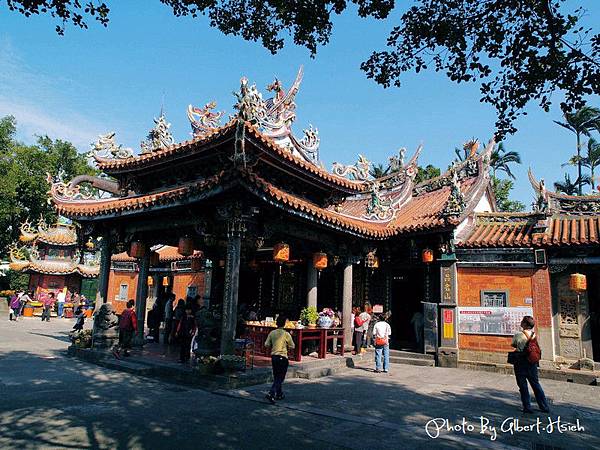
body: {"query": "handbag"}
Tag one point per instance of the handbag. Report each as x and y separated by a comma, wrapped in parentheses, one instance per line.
(512, 358)
(380, 341)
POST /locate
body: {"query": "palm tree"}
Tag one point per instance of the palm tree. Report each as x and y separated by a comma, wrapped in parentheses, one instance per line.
(592, 160)
(500, 160)
(570, 187)
(581, 122)
(378, 171)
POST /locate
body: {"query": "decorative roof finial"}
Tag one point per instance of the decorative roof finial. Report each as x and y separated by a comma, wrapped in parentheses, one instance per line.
(159, 137)
(106, 147)
(456, 201)
(378, 208)
(203, 120)
(358, 172)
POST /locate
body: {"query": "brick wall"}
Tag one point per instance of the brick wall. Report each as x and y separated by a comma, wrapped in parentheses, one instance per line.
(520, 284)
(114, 285)
(181, 281)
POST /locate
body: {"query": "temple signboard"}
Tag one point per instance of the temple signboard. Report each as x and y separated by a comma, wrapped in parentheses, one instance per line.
(491, 320)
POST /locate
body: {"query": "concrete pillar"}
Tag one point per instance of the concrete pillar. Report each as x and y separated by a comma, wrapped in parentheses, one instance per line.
(347, 304)
(235, 229)
(448, 349)
(208, 270)
(141, 296)
(311, 285)
(103, 277)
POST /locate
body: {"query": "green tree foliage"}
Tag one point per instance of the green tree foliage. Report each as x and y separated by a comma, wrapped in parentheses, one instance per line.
(581, 122)
(571, 187)
(23, 185)
(502, 189)
(516, 50)
(592, 160)
(501, 160)
(426, 173)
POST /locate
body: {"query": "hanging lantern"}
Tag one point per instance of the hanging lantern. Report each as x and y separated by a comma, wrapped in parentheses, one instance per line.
(578, 282)
(165, 281)
(196, 264)
(154, 259)
(150, 281)
(320, 260)
(137, 249)
(186, 246)
(427, 256)
(281, 252)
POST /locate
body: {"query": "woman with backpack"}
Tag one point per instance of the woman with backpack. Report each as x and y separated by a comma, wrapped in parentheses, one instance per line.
(381, 337)
(526, 361)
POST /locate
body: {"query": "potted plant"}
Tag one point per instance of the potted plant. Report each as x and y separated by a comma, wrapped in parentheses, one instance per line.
(326, 318)
(309, 316)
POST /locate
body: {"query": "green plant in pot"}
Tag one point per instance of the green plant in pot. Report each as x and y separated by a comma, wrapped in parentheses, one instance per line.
(309, 316)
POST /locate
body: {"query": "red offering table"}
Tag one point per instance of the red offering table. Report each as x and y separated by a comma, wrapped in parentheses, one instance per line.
(258, 334)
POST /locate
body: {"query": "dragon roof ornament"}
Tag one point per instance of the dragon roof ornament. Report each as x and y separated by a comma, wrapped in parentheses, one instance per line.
(456, 201)
(552, 202)
(358, 171)
(378, 207)
(275, 116)
(61, 190)
(106, 148)
(204, 120)
(158, 137)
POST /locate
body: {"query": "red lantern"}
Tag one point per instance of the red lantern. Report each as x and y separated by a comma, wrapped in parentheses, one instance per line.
(320, 260)
(150, 281)
(578, 282)
(137, 249)
(165, 281)
(281, 252)
(372, 260)
(154, 259)
(186, 246)
(427, 256)
(196, 264)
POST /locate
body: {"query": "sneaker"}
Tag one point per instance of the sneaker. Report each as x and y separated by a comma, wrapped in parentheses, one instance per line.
(385, 371)
(280, 397)
(270, 399)
(377, 371)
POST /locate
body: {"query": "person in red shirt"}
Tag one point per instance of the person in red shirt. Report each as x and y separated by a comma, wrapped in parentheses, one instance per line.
(48, 304)
(127, 329)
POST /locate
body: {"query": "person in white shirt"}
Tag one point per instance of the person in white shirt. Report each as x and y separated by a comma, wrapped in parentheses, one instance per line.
(60, 302)
(381, 334)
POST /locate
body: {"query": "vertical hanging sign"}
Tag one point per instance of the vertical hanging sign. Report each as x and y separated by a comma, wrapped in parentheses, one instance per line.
(448, 324)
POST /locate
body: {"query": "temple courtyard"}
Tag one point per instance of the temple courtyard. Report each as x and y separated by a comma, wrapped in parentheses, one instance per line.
(50, 400)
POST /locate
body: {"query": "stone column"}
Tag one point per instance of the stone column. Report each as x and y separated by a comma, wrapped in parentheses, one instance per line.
(208, 270)
(311, 285)
(141, 296)
(347, 304)
(103, 277)
(448, 350)
(235, 229)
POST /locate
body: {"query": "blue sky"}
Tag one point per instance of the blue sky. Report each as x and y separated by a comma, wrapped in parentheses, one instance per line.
(97, 80)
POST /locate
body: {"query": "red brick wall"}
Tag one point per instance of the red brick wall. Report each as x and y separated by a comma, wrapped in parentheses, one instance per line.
(181, 281)
(520, 284)
(114, 282)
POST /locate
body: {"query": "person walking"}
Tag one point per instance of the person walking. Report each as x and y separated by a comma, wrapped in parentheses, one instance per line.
(169, 317)
(279, 341)
(186, 329)
(127, 328)
(526, 361)
(361, 325)
(15, 307)
(48, 304)
(80, 314)
(60, 302)
(178, 314)
(381, 336)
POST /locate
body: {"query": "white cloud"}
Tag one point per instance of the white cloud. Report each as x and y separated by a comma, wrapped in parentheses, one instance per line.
(40, 103)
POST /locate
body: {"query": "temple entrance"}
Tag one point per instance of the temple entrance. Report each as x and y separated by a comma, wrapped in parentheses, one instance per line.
(407, 295)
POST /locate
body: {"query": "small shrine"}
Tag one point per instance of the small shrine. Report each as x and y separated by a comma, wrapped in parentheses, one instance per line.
(54, 258)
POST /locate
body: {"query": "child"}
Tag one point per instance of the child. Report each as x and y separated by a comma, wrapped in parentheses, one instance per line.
(80, 319)
(185, 332)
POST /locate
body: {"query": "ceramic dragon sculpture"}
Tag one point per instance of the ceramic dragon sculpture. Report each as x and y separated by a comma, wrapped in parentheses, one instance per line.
(204, 120)
(358, 172)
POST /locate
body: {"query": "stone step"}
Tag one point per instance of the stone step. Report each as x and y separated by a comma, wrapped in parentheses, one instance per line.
(126, 366)
(318, 372)
(405, 354)
(412, 361)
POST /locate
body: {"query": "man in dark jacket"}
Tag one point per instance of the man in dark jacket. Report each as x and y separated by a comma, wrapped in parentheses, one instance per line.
(185, 332)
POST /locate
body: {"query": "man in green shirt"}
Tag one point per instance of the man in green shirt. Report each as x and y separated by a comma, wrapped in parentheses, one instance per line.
(279, 341)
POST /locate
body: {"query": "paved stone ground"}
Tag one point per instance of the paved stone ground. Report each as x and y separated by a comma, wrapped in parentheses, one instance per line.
(52, 401)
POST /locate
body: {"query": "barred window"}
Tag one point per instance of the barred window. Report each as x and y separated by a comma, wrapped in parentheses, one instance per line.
(494, 299)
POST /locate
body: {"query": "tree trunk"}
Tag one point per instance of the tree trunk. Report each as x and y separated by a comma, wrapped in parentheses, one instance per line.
(592, 175)
(579, 180)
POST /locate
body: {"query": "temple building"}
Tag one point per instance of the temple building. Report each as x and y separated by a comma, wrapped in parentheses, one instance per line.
(282, 232)
(54, 260)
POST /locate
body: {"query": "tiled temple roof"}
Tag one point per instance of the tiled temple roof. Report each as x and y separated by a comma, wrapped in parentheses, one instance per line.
(166, 253)
(55, 267)
(531, 230)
